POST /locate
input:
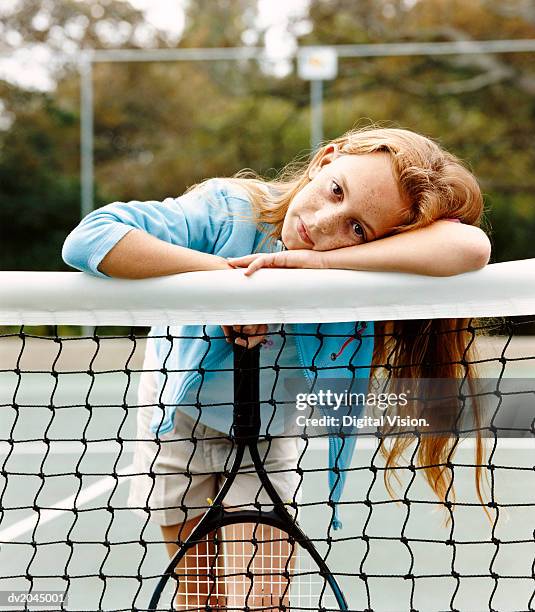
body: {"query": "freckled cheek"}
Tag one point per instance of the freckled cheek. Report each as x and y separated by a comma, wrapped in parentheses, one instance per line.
(334, 237)
(333, 241)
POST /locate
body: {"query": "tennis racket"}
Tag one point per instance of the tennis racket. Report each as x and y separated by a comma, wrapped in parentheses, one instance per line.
(248, 559)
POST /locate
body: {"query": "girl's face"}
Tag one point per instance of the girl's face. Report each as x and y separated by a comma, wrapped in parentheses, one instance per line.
(350, 200)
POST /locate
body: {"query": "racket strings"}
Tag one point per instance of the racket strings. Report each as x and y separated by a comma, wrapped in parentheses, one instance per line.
(250, 567)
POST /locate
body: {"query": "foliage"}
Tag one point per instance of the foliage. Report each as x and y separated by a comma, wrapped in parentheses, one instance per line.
(38, 190)
(160, 127)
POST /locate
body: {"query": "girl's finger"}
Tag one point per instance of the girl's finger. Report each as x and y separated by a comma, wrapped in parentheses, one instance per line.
(230, 331)
(249, 342)
(257, 264)
(251, 329)
(242, 261)
(227, 332)
(255, 334)
(245, 329)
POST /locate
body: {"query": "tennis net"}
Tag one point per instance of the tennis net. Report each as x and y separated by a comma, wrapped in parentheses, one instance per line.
(93, 455)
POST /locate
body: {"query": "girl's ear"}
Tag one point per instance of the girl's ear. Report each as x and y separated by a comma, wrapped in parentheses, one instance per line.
(323, 157)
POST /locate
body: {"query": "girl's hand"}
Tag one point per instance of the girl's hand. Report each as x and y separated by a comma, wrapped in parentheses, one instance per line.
(255, 334)
(298, 258)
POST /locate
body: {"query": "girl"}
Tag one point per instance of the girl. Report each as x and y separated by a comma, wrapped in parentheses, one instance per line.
(374, 199)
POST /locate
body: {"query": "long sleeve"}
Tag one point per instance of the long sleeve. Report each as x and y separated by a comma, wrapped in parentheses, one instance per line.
(204, 220)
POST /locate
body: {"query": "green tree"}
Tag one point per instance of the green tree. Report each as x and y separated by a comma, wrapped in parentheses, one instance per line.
(39, 150)
(39, 199)
(480, 107)
(160, 127)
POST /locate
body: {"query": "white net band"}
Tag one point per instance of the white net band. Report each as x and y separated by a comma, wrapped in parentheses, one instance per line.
(268, 296)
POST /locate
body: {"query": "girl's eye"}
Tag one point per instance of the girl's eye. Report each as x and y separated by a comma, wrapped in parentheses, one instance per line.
(357, 228)
(337, 190)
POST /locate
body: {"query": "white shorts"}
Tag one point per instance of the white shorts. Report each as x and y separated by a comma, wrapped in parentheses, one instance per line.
(175, 476)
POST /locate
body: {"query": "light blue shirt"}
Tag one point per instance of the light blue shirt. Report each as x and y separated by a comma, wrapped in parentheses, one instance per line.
(213, 220)
(209, 398)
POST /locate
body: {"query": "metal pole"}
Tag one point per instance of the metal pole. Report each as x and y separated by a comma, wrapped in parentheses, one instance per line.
(316, 114)
(86, 133)
(86, 146)
(460, 47)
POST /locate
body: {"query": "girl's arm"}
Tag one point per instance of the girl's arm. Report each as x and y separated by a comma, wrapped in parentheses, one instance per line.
(143, 239)
(440, 249)
(140, 255)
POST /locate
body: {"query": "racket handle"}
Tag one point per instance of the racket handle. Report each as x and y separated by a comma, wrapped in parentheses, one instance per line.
(246, 423)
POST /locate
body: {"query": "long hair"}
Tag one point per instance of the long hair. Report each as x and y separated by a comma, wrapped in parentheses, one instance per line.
(436, 185)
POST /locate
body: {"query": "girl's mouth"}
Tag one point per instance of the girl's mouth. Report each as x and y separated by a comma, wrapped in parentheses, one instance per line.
(302, 231)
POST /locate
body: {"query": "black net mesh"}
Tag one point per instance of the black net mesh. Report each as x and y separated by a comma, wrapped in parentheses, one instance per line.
(106, 437)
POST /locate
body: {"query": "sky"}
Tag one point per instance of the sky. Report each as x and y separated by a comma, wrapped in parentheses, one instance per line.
(29, 68)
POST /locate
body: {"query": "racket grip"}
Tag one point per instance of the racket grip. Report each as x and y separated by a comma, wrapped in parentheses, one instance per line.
(246, 424)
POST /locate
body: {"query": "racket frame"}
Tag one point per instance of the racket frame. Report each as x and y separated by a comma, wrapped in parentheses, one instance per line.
(245, 435)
